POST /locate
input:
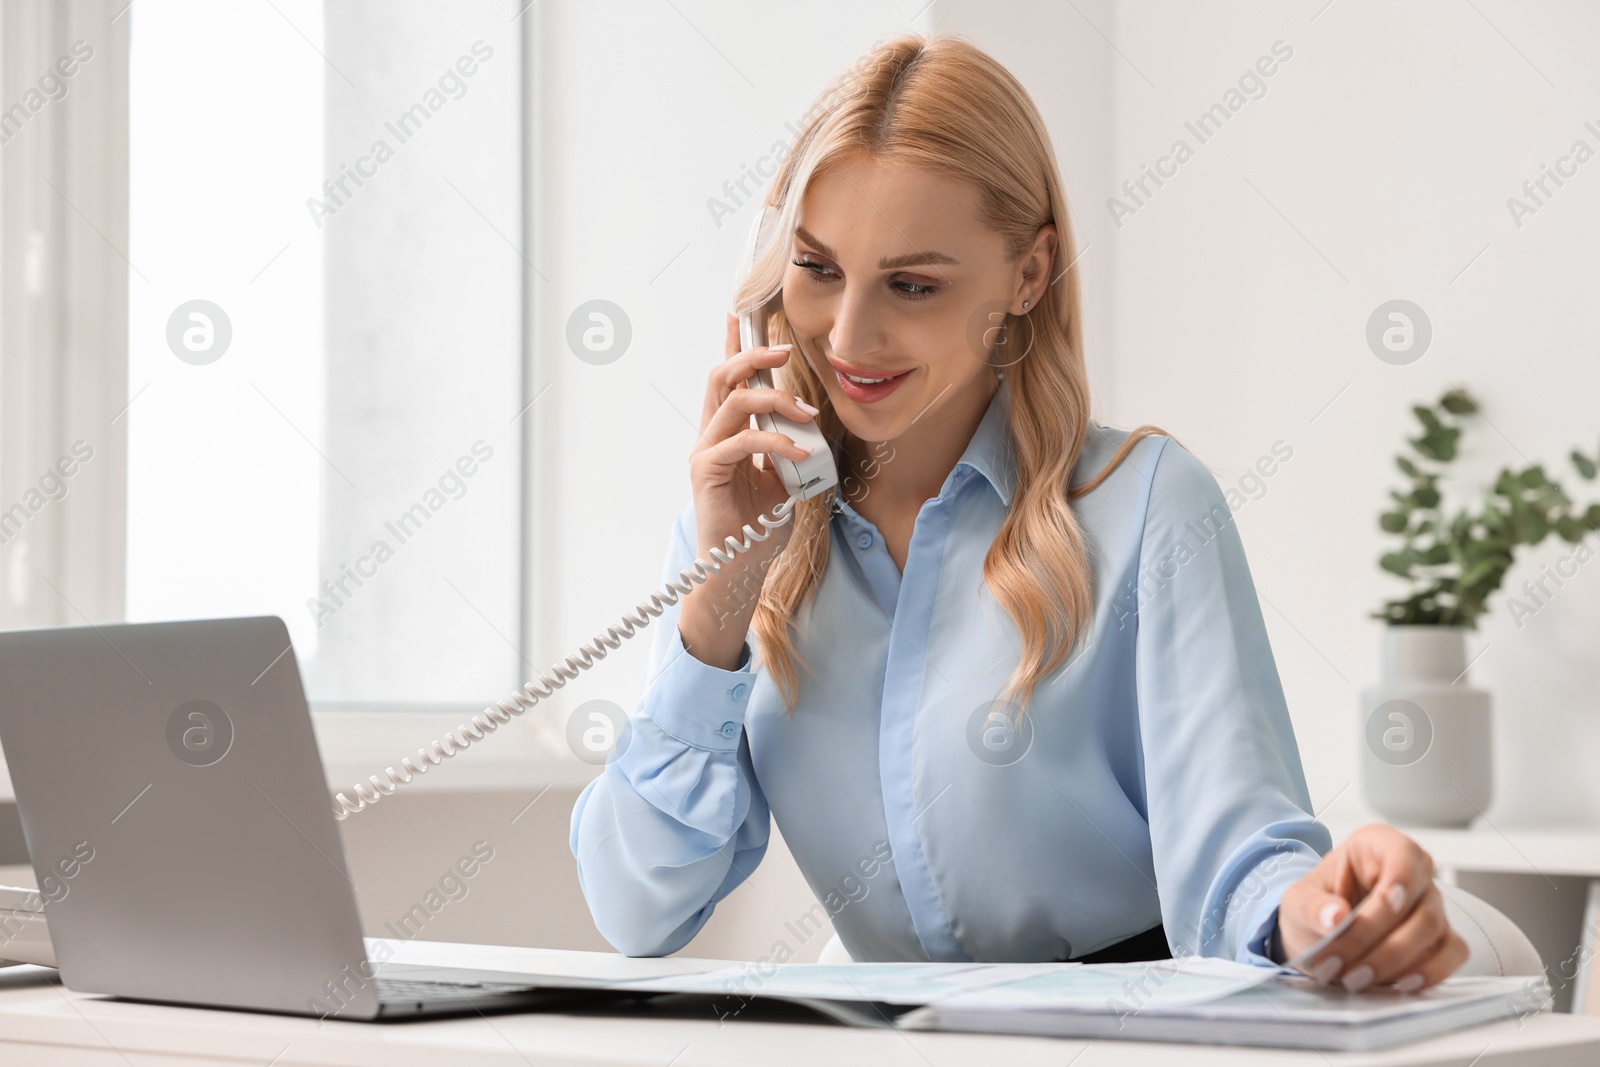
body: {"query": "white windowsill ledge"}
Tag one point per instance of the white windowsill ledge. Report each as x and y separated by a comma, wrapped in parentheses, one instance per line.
(358, 744)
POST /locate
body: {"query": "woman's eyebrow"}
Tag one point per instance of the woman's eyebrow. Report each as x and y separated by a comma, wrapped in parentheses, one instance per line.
(910, 259)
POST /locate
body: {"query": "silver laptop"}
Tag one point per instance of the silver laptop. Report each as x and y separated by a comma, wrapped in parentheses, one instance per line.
(180, 826)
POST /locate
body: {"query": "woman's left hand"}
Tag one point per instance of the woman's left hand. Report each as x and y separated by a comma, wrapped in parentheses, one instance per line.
(1400, 936)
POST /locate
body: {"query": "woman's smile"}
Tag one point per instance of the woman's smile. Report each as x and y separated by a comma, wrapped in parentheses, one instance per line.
(867, 385)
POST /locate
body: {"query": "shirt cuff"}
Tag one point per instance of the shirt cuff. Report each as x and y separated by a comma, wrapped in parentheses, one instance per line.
(701, 705)
(1265, 949)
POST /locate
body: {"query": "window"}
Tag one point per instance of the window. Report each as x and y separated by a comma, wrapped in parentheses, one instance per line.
(325, 364)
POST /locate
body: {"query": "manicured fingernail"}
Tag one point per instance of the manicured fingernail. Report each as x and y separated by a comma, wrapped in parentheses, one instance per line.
(807, 408)
(1409, 984)
(1396, 896)
(780, 348)
(1327, 969)
(1358, 979)
(1326, 915)
(803, 448)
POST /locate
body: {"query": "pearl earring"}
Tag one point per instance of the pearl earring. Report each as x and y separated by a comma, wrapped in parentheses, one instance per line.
(1024, 305)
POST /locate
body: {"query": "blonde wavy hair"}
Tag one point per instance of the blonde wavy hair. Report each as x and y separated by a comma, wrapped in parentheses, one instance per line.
(939, 102)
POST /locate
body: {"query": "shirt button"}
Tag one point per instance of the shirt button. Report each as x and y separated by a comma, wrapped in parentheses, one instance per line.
(729, 730)
(865, 540)
(738, 691)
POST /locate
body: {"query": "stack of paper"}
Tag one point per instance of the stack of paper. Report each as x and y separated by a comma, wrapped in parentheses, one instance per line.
(1213, 1001)
(1192, 999)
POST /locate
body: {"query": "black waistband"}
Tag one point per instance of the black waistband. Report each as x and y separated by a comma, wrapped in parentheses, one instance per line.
(1150, 945)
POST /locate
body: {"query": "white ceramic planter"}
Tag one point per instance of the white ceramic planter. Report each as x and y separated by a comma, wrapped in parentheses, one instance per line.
(1426, 755)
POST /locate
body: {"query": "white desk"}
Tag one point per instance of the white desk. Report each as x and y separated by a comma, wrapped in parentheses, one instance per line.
(44, 1024)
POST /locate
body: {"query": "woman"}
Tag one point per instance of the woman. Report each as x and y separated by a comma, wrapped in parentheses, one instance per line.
(1016, 700)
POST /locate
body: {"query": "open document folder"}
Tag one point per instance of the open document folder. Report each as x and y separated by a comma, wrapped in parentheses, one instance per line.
(1191, 999)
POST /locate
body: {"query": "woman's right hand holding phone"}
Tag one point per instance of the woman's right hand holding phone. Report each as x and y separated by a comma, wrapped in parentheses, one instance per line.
(730, 491)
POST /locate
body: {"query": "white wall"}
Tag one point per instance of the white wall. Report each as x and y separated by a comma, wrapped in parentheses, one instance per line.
(1390, 142)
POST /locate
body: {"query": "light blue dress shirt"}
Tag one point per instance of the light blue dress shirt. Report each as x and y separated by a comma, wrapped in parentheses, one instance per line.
(1154, 779)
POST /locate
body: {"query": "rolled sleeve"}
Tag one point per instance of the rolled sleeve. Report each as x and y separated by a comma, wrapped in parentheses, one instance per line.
(1230, 816)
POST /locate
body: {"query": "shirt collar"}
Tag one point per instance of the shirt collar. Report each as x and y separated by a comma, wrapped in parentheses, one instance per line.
(990, 452)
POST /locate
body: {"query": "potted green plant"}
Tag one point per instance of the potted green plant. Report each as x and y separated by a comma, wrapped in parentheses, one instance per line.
(1427, 758)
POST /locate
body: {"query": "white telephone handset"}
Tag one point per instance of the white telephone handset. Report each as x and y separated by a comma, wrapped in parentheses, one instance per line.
(814, 475)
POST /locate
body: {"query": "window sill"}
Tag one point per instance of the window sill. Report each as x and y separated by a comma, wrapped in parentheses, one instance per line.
(358, 744)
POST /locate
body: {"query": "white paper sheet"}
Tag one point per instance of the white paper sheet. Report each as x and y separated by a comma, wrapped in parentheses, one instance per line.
(889, 983)
(1119, 987)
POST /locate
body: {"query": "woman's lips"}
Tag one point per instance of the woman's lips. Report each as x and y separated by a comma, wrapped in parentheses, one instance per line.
(863, 392)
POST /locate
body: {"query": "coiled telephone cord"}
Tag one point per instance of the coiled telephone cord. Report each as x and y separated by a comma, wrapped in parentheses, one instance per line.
(376, 787)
